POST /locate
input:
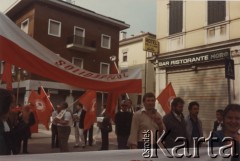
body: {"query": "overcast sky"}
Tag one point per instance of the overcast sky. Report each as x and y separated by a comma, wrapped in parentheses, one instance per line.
(139, 14)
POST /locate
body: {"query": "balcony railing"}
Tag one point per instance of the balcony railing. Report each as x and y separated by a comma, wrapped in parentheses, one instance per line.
(81, 43)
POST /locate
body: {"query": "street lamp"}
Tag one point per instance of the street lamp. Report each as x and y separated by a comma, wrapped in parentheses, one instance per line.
(20, 73)
(113, 58)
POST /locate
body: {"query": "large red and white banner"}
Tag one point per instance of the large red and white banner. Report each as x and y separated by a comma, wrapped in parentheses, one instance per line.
(19, 49)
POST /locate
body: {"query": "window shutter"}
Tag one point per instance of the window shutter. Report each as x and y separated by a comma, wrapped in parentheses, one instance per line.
(216, 11)
(176, 17)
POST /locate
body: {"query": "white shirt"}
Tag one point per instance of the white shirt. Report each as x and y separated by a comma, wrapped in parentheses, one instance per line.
(67, 117)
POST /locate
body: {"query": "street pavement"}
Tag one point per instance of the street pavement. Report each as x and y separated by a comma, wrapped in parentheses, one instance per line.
(41, 142)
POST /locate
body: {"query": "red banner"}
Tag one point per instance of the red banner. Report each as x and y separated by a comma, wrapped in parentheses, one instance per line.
(35, 58)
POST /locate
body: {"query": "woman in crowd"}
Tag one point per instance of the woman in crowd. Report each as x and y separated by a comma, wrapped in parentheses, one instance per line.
(5, 103)
(231, 125)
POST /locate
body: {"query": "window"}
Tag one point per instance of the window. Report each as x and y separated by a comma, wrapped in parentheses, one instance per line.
(25, 25)
(125, 57)
(78, 62)
(175, 16)
(216, 11)
(79, 31)
(106, 41)
(54, 28)
(104, 68)
(79, 34)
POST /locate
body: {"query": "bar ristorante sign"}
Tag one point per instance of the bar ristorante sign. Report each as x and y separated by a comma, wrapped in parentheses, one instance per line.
(191, 59)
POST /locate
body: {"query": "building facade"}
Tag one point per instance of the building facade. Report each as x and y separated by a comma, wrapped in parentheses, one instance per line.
(196, 39)
(81, 36)
(132, 55)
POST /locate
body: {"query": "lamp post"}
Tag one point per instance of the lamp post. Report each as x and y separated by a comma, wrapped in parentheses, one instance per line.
(113, 59)
(20, 73)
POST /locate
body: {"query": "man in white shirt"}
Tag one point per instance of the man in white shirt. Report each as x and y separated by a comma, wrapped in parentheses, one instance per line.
(64, 127)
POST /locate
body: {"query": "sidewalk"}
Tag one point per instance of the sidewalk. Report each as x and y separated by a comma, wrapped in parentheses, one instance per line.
(41, 142)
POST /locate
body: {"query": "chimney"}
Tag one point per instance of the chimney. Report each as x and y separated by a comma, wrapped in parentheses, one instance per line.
(123, 35)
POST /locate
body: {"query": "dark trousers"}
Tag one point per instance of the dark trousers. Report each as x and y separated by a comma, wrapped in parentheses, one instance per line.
(88, 133)
(63, 136)
(105, 140)
(54, 136)
(22, 138)
(122, 142)
(11, 141)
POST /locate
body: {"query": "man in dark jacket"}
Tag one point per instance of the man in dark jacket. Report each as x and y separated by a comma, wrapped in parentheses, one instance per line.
(175, 123)
(123, 122)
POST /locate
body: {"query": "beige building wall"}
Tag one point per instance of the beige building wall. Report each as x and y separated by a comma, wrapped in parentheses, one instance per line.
(136, 58)
(197, 37)
(195, 26)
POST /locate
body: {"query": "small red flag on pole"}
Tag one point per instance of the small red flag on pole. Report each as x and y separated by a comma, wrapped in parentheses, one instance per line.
(165, 98)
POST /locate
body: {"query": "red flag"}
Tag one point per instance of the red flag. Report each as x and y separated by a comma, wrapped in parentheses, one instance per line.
(165, 98)
(114, 69)
(112, 100)
(43, 106)
(88, 99)
(7, 75)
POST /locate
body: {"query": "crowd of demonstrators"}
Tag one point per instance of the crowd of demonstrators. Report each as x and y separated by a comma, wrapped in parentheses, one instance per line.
(15, 124)
(123, 121)
(145, 119)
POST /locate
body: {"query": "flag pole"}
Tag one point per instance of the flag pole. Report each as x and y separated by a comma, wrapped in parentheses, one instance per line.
(47, 97)
(113, 59)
